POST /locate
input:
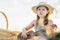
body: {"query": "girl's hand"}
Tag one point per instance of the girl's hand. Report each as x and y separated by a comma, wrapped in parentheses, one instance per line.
(24, 33)
(54, 26)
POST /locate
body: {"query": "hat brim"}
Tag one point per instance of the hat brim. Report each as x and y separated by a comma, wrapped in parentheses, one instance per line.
(44, 4)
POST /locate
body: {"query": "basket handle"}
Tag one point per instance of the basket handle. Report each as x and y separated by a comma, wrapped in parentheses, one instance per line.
(5, 18)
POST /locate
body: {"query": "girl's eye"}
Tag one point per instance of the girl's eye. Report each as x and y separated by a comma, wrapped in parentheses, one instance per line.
(39, 9)
(43, 9)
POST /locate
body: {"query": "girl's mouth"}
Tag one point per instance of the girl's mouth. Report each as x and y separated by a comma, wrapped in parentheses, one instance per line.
(40, 13)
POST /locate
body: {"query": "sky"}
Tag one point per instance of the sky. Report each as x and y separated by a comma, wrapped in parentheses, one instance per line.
(20, 14)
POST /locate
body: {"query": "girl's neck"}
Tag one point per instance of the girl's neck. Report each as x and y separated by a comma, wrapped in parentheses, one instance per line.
(41, 20)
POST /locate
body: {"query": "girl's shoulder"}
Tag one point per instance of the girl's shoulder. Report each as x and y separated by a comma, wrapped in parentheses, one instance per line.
(50, 22)
(34, 21)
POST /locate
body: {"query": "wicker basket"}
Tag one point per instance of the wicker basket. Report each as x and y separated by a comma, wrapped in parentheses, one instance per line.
(5, 34)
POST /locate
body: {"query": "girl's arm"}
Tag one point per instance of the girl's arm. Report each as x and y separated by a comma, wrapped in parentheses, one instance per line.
(50, 28)
(26, 29)
(30, 26)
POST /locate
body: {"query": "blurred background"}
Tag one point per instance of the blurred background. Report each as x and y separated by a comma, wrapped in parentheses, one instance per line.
(20, 14)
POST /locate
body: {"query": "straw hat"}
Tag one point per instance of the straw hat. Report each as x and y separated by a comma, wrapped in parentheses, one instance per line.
(44, 4)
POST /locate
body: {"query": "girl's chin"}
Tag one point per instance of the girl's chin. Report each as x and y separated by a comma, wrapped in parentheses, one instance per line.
(40, 16)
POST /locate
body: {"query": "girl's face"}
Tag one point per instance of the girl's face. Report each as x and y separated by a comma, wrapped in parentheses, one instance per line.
(42, 11)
